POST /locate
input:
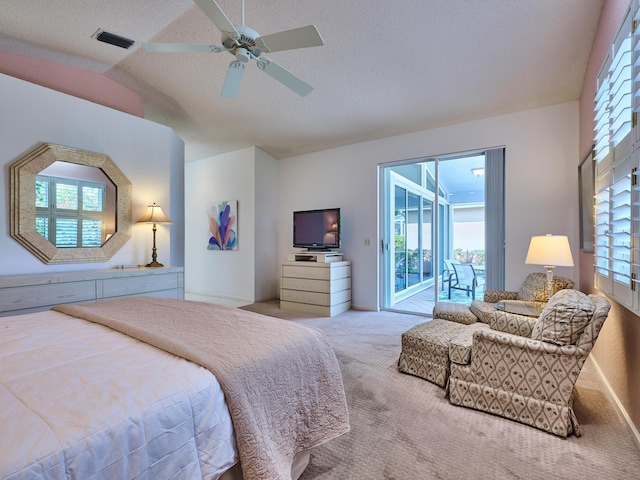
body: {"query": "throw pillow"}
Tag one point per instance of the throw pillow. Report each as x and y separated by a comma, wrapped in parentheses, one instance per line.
(534, 288)
(564, 318)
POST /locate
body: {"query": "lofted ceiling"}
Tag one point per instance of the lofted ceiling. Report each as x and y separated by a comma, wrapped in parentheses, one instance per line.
(387, 67)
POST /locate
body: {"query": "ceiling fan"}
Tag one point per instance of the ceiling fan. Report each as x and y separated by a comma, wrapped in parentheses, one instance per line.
(246, 44)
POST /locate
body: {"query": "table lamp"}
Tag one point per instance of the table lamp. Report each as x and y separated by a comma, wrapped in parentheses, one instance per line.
(550, 251)
(154, 215)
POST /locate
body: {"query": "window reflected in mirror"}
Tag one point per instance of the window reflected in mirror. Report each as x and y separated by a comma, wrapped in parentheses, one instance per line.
(75, 205)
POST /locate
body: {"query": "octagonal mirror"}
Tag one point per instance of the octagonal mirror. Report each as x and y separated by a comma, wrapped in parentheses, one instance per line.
(69, 205)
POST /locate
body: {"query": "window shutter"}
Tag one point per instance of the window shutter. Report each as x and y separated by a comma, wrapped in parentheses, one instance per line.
(615, 157)
(620, 222)
(66, 232)
(75, 215)
(601, 225)
(620, 73)
(601, 139)
(91, 233)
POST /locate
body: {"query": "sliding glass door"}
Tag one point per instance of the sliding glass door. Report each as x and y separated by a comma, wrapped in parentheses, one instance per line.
(412, 220)
(434, 216)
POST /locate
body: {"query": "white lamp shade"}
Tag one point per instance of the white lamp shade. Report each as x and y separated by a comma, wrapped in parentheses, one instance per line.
(154, 215)
(550, 250)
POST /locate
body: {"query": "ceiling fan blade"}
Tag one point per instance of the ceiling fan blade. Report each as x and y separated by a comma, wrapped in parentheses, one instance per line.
(216, 15)
(302, 37)
(233, 80)
(284, 76)
(181, 47)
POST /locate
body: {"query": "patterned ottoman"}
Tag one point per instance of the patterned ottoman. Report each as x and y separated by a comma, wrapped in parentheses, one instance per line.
(425, 350)
(454, 312)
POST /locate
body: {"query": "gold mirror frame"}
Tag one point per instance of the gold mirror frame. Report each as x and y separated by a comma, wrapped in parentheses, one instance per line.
(23, 204)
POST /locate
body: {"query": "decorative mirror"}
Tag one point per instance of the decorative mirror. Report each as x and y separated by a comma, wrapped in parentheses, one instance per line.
(69, 205)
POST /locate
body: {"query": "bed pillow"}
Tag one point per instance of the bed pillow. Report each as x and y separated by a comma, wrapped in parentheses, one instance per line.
(564, 318)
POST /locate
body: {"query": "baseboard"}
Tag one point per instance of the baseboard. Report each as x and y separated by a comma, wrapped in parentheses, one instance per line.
(364, 309)
(218, 299)
(619, 407)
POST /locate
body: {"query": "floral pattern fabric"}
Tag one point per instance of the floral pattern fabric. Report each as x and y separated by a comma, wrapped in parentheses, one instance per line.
(523, 379)
(534, 288)
(454, 312)
(461, 343)
(529, 300)
(425, 350)
(564, 318)
(513, 323)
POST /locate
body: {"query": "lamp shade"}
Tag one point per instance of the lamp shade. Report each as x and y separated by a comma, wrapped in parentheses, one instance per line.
(550, 250)
(154, 215)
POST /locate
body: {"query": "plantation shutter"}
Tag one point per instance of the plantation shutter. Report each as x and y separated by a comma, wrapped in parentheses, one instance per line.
(615, 158)
(601, 139)
(70, 213)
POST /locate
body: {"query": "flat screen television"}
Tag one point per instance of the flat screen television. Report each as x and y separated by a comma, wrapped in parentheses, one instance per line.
(317, 229)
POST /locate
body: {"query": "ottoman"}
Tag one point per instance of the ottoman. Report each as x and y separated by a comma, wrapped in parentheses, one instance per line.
(425, 350)
(454, 312)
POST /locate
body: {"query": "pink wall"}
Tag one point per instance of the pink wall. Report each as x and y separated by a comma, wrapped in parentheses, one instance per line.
(616, 352)
(80, 83)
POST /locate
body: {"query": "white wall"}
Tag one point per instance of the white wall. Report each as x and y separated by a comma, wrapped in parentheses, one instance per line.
(149, 154)
(541, 187)
(266, 220)
(248, 274)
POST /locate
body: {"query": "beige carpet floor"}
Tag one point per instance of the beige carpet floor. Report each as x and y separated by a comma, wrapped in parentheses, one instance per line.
(402, 427)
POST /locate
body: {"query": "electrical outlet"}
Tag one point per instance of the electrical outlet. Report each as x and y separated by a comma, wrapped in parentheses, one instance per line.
(367, 242)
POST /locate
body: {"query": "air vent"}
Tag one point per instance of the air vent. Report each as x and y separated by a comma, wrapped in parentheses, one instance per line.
(113, 39)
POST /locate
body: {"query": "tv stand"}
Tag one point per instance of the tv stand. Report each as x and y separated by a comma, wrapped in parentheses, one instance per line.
(316, 256)
(315, 287)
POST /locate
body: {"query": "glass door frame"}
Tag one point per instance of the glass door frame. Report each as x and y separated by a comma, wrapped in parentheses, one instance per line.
(436, 177)
(390, 180)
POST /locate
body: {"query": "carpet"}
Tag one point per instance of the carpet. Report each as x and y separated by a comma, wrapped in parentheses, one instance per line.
(403, 428)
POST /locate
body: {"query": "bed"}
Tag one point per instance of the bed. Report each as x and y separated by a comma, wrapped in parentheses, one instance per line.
(156, 388)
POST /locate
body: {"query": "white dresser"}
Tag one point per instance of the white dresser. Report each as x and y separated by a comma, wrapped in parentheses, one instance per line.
(322, 289)
(32, 293)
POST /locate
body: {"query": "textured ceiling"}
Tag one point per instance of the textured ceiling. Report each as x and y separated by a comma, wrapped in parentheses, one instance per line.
(387, 67)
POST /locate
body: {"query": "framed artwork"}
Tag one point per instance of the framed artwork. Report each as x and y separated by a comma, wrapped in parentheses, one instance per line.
(223, 225)
(586, 188)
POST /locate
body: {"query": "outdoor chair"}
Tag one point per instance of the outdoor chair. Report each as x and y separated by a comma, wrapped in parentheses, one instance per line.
(463, 278)
(448, 273)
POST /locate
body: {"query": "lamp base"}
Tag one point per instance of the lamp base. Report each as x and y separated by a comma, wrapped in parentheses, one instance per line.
(154, 264)
(549, 281)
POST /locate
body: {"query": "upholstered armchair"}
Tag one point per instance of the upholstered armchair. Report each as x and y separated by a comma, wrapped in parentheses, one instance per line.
(529, 300)
(525, 369)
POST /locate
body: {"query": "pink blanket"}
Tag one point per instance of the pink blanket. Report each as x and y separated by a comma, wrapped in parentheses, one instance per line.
(281, 380)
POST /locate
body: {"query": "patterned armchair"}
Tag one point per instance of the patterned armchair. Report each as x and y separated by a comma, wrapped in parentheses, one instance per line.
(529, 300)
(525, 369)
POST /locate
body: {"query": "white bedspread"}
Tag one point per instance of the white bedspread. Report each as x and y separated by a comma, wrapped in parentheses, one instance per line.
(281, 380)
(97, 404)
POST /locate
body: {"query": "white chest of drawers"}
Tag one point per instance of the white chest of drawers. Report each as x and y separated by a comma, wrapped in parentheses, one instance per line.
(322, 289)
(31, 293)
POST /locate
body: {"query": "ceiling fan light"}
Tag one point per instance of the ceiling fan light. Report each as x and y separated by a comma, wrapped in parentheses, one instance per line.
(242, 55)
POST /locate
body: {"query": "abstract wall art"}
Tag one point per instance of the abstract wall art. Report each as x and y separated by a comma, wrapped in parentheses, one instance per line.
(223, 225)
